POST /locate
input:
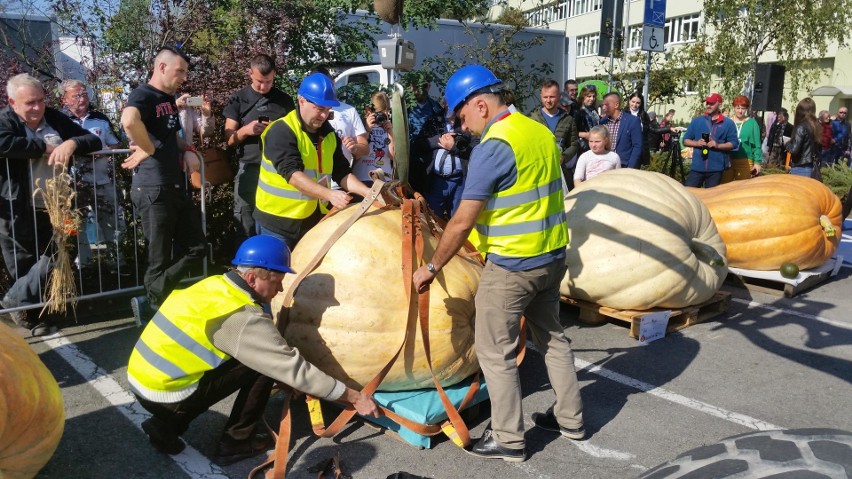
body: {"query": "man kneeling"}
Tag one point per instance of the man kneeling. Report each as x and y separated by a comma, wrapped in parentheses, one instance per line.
(217, 337)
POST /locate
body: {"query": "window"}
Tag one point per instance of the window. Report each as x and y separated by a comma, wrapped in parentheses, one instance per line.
(556, 11)
(634, 37)
(587, 45)
(690, 87)
(682, 29)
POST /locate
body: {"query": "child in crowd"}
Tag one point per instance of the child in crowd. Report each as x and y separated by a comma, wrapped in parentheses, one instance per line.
(598, 159)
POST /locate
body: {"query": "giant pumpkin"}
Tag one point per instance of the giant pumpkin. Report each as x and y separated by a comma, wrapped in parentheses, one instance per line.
(32, 416)
(349, 315)
(775, 219)
(639, 240)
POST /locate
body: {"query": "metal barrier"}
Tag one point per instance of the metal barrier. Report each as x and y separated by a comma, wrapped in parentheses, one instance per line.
(106, 264)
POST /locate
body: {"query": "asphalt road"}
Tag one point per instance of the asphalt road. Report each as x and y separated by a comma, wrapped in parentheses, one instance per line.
(769, 363)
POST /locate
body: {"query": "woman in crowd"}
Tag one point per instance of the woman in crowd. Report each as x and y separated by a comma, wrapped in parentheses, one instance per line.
(746, 161)
(196, 122)
(636, 107)
(587, 116)
(803, 147)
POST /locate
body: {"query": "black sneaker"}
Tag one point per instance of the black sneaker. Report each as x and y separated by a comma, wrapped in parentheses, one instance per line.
(142, 310)
(548, 421)
(230, 452)
(488, 448)
(161, 438)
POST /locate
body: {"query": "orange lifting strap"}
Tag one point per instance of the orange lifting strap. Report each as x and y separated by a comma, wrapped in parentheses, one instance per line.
(412, 251)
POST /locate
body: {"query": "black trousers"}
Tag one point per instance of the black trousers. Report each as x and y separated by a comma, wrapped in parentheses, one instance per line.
(168, 215)
(214, 386)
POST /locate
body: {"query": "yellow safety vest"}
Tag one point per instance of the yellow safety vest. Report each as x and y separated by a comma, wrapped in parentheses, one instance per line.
(275, 196)
(528, 218)
(174, 350)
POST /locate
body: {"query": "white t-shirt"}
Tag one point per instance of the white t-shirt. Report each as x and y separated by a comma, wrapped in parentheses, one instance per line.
(347, 122)
(591, 164)
(379, 156)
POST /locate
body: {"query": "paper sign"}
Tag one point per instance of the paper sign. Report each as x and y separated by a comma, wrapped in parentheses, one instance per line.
(653, 326)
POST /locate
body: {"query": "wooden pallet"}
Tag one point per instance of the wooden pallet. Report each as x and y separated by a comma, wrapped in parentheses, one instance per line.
(680, 318)
(776, 288)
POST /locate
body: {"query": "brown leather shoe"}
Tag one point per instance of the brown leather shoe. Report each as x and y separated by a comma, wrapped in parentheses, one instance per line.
(230, 452)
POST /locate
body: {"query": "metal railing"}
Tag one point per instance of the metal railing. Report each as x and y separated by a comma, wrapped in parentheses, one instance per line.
(109, 240)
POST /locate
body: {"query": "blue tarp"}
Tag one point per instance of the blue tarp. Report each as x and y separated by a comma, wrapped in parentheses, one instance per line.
(845, 248)
(423, 406)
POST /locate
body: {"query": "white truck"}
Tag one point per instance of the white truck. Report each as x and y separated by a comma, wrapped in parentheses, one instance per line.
(453, 38)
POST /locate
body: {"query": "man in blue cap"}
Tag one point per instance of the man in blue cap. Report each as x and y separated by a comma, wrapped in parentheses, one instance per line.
(513, 199)
(216, 337)
(301, 154)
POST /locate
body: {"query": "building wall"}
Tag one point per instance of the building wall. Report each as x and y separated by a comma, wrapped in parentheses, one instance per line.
(583, 23)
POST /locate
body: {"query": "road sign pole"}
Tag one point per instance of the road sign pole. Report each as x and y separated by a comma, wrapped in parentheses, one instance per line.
(647, 80)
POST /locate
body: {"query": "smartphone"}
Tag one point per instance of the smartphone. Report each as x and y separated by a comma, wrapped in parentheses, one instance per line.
(194, 101)
(263, 119)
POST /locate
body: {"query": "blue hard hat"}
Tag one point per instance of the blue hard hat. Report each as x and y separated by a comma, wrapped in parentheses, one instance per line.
(468, 80)
(264, 251)
(318, 89)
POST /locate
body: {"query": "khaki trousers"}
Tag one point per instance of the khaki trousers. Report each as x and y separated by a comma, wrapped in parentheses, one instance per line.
(502, 298)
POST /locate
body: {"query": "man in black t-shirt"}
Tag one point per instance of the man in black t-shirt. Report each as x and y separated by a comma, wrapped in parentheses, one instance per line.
(247, 113)
(151, 122)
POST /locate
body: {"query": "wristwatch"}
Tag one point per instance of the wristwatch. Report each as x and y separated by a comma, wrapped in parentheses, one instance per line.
(431, 268)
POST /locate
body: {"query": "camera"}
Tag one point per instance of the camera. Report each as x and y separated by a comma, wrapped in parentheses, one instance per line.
(705, 136)
(195, 101)
(463, 141)
(380, 117)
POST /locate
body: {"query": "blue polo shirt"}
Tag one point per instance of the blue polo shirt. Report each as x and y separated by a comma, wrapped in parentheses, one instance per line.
(721, 131)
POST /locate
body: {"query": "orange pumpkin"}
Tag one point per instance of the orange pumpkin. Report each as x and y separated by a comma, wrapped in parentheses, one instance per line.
(775, 219)
(32, 416)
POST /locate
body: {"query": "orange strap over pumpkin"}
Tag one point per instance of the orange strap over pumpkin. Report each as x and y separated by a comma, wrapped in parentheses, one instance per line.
(412, 251)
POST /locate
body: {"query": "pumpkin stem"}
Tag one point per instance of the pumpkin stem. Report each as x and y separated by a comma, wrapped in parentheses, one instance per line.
(706, 253)
(829, 229)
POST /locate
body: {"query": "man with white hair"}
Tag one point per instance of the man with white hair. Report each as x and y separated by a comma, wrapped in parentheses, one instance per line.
(31, 135)
(157, 191)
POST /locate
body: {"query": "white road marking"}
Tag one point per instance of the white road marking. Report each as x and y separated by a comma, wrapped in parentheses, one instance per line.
(596, 451)
(754, 304)
(192, 462)
(694, 404)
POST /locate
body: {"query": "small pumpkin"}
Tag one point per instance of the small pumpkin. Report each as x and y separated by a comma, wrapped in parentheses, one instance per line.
(639, 240)
(32, 415)
(348, 316)
(775, 219)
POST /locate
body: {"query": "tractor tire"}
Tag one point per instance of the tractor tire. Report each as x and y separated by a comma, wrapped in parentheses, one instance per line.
(814, 453)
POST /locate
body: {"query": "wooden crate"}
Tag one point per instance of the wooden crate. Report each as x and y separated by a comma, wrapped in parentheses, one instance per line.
(680, 318)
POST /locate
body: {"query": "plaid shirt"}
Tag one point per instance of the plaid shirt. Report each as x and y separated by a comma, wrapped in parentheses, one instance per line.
(612, 126)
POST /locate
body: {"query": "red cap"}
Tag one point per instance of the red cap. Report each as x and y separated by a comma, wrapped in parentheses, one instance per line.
(714, 98)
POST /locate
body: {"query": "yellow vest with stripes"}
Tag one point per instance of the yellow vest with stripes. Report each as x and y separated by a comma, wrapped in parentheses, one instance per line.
(174, 350)
(528, 218)
(275, 196)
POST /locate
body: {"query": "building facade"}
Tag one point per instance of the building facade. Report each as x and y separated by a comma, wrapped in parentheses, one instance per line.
(580, 21)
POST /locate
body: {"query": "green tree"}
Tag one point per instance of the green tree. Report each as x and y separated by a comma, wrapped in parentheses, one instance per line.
(737, 34)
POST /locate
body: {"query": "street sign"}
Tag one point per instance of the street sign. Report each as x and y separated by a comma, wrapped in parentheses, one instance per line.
(653, 38)
(655, 12)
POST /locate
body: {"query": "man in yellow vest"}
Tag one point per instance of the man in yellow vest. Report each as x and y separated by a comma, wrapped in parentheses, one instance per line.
(512, 209)
(217, 337)
(301, 153)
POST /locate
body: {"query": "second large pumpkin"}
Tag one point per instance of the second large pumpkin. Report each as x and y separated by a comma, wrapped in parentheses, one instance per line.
(775, 219)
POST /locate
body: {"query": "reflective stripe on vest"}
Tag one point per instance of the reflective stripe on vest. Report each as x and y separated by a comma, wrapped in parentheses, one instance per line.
(528, 218)
(274, 195)
(174, 350)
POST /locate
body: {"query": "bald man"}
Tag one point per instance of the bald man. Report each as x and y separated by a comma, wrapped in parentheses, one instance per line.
(151, 122)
